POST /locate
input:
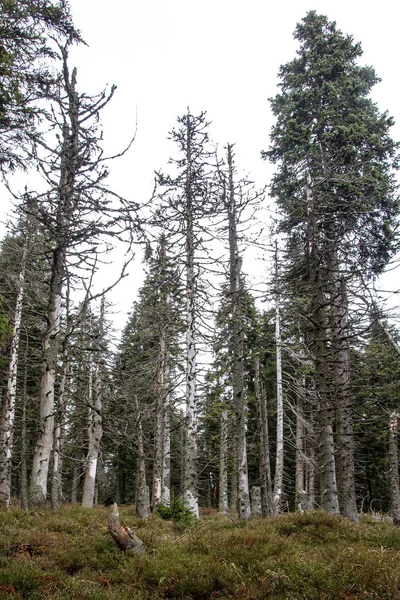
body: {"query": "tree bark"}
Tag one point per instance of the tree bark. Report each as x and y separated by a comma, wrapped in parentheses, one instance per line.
(301, 503)
(51, 340)
(166, 438)
(223, 506)
(159, 422)
(263, 436)
(95, 424)
(394, 468)
(143, 496)
(278, 479)
(7, 411)
(124, 537)
(190, 473)
(328, 485)
(238, 386)
(344, 415)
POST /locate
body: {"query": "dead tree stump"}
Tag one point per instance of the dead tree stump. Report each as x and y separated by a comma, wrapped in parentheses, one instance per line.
(123, 536)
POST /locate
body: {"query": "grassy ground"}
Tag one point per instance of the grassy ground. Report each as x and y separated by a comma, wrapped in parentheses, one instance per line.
(69, 554)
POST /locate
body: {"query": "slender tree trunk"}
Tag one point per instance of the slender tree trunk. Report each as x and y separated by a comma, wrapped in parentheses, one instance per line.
(7, 411)
(223, 506)
(166, 446)
(263, 436)
(301, 460)
(394, 469)
(95, 428)
(159, 422)
(233, 460)
(24, 440)
(190, 480)
(239, 396)
(278, 480)
(143, 499)
(59, 435)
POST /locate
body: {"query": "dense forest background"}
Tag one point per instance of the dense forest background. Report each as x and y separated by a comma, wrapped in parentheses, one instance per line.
(273, 393)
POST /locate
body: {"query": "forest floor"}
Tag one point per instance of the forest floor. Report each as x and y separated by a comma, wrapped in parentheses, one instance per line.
(313, 556)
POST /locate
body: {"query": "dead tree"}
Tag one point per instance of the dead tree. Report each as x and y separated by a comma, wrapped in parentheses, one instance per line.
(123, 536)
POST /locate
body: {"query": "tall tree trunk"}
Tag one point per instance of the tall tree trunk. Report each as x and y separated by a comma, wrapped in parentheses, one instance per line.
(239, 396)
(159, 422)
(278, 479)
(328, 485)
(51, 340)
(223, 505)
(394, 469)
(95, 428)
(59, 435)
(301, 503)
(263, 436)
(190, 479)
(344, 418)
(143, 499)
(24, 440)
(233, 503)
(166, 438)
(7, 411)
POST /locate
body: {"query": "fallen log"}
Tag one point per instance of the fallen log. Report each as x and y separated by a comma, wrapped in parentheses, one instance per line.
(123, 536)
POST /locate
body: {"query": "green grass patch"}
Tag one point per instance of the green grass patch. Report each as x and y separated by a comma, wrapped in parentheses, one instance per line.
(312, 556)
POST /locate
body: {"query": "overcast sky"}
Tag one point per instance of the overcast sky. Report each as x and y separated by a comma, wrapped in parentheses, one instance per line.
(221, 56)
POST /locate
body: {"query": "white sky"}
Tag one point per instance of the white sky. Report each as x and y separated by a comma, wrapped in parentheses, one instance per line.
(221, 56)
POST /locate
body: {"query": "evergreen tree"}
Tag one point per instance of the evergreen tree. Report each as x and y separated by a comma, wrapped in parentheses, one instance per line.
(26, 54)
(336, 190)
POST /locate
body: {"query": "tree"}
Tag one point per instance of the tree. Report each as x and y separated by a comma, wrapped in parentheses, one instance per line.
(146, 368)
(78, 215)
(336, 190)
(26, 54)
(185, 204)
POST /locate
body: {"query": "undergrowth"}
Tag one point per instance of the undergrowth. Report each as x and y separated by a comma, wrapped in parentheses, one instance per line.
(311, 556)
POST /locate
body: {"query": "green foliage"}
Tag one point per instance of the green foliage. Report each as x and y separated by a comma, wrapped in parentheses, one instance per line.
(177, 511)
(330, 132)
(25, 56)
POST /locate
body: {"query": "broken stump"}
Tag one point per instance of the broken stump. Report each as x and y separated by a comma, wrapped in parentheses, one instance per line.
(123, 536)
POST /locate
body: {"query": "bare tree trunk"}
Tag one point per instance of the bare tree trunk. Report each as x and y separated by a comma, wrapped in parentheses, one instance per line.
(239, 396)
(158, 433)
(301, 460)
(394, 468)
(143, 497)
(95, 426)
(59, 434)
(24, 444)
(223, 506)
(234, 468)
(263, 436)
(278, 479)
(7, 411)
(190, 479)
(166, 439)
(51, 340)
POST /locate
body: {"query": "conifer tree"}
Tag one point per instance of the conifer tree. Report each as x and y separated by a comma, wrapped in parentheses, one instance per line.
(185, 205)
(336, 190)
